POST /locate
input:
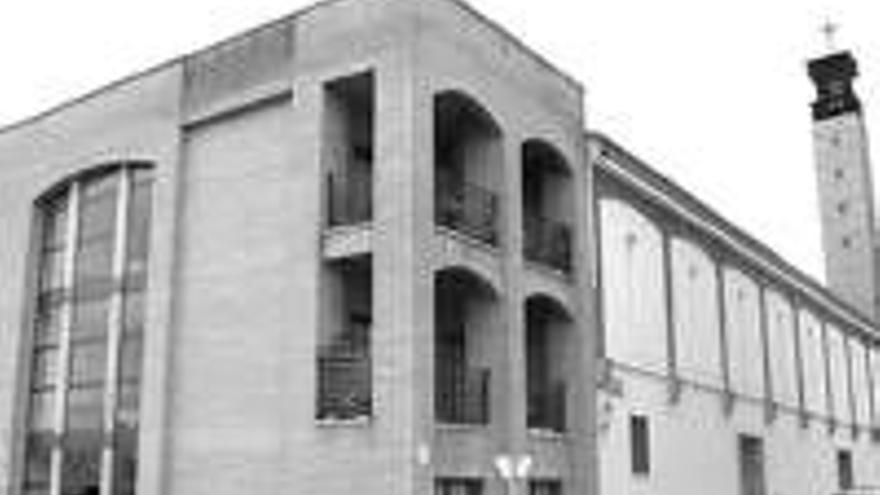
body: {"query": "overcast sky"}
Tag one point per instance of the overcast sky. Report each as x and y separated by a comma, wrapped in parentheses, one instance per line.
(712, 93)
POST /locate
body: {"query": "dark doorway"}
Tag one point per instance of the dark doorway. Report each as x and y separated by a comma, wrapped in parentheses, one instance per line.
(751, 463)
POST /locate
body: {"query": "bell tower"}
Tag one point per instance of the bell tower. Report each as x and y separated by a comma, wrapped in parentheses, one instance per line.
(840, 146)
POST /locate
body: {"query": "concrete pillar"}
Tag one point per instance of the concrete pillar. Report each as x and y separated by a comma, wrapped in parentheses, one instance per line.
(509, 416)
(582, 426)
(403, 283)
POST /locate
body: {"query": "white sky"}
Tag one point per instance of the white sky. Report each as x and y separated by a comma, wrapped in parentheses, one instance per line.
(712, 93)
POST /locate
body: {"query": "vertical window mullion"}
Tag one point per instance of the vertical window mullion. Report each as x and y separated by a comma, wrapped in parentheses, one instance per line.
(66, 322)
(114, 329)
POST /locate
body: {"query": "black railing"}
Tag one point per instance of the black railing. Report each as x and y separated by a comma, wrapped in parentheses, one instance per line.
(546, 408)
(547, 241)
(467, 208)
(344, 383)
(462, 395)
(545, 487)
(349, 198)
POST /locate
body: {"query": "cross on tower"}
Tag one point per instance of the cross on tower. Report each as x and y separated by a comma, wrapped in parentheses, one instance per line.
(829, 30)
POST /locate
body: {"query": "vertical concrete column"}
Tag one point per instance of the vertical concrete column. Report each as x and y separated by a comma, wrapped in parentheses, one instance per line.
(509, 394)
(114, 330)
(724, 350)
(162, 313)
(766, 353)
(850, 385)
(59, 413)
(829, 385)
(795, 304)
(402, 284)
(669, 307)
(870, 382)
(297, 382)
(592, 223)
(15, 348)
(582, 426)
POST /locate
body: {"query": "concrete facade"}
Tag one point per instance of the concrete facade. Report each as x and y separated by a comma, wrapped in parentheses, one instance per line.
(384, 257)
(241, 259)
(845, 185)
(846, 196)
(710, 336)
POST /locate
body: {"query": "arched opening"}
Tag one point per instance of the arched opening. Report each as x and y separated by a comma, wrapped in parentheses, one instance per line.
(464, 306)
(548, 345)
(467, 165)
(86, 351)
(548, 205)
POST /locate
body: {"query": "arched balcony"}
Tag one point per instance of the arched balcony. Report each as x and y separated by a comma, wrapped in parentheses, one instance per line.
(548, 205)
(464, 335)
(467, 167)
(548, 345)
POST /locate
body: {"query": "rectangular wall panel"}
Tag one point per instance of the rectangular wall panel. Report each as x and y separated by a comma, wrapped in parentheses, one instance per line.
(780, 338)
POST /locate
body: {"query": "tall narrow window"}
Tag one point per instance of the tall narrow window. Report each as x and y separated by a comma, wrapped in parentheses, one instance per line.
(751, 466)
(344, 365)
(640, 445)
(349, 112)
(845, 478)
(87, 334)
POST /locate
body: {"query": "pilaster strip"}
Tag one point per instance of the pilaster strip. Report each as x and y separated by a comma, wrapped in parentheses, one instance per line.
(799, 360)
(71, 235)
(770, 408)
(601, 345)
(851, 388)
(669, 301)
(114, 330)
(829, 388)
(724, 345)
(871, 384)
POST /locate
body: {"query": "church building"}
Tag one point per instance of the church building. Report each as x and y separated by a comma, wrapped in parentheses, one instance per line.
(375, 246)
(723, 367)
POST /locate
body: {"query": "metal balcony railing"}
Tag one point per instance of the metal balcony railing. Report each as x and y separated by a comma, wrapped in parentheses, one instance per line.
(344, 383)
(547, 241)
(545, 487)
(462, 395)
(349, 198)
(467, 208)
(546, 408)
